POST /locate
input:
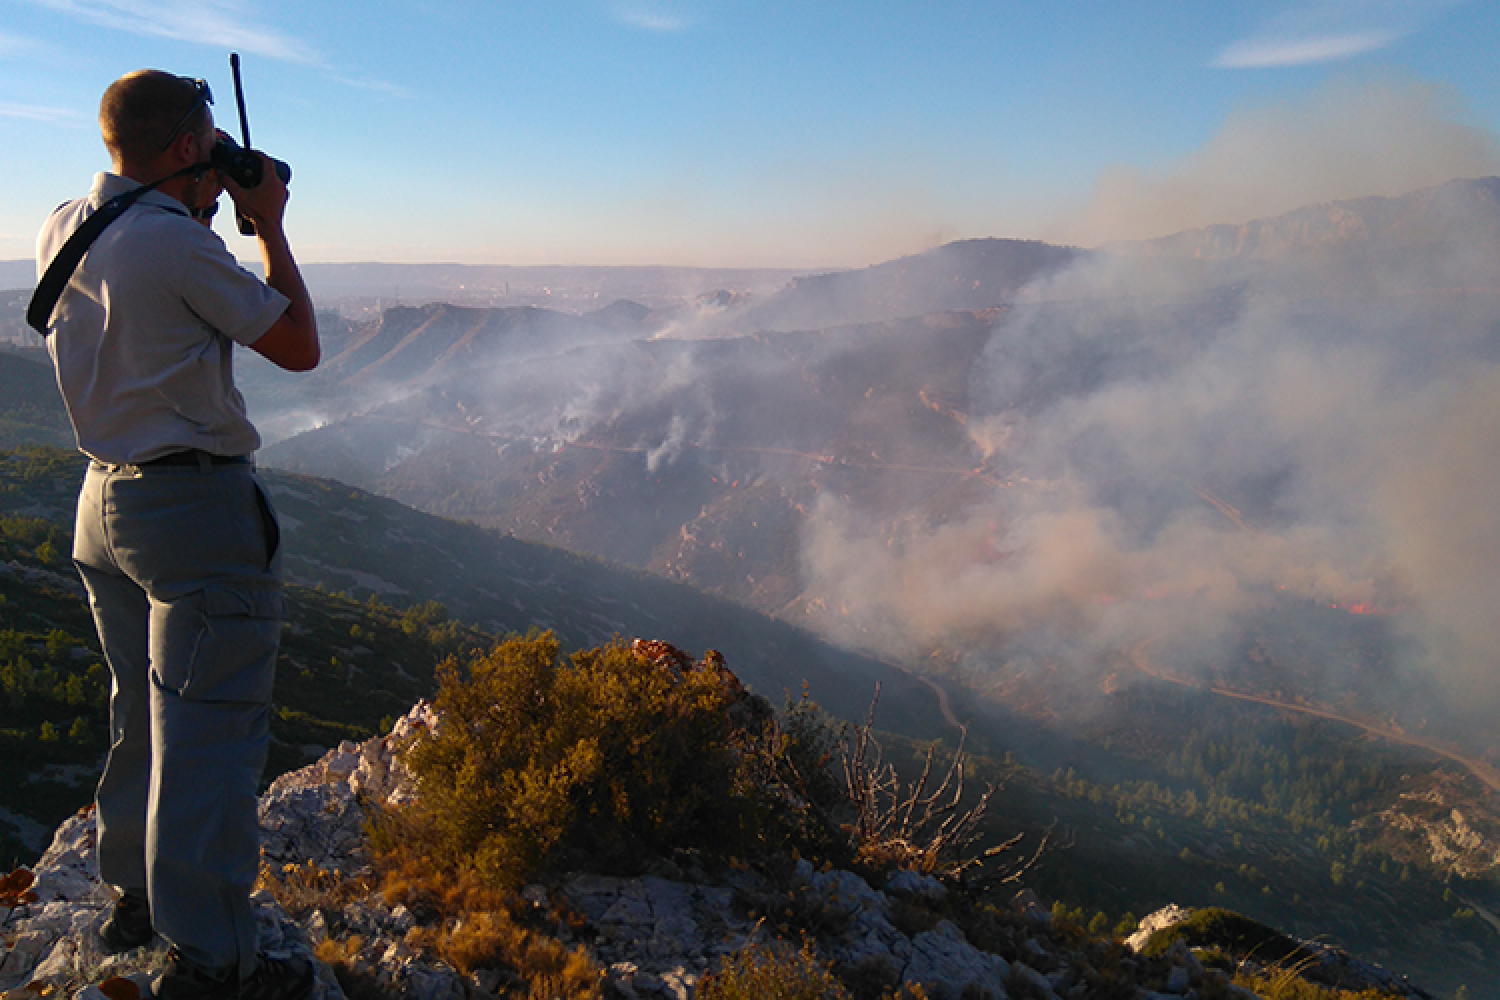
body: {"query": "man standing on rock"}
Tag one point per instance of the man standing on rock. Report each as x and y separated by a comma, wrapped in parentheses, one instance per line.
(176, 539)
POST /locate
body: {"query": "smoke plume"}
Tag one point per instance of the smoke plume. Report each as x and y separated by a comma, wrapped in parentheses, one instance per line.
(1180, 454)
(1352, 139)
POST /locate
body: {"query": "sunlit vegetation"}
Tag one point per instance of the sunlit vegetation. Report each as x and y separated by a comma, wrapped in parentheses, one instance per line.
(776, 971)
(468, 923)
(606, 755)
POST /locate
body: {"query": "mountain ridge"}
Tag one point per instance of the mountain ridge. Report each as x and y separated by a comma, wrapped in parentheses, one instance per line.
(1422, 218)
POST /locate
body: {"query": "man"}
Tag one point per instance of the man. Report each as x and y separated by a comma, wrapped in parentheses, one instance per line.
(176, 540)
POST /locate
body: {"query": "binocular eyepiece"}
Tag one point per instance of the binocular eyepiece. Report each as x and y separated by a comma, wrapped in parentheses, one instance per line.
(241, 165)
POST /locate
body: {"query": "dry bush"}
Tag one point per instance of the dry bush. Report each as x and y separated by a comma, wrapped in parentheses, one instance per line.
(923, 825)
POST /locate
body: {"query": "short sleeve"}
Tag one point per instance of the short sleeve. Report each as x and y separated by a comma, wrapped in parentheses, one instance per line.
(226, 296)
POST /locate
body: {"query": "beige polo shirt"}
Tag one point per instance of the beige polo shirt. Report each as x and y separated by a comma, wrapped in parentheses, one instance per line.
(143, 335)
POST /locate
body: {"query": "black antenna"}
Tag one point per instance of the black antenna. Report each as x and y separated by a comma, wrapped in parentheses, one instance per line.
(239, 98)
(246, 227)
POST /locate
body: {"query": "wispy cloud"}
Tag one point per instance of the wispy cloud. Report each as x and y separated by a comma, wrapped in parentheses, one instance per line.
(1321, 31)
(223, 23)
(38, 113)
(1268, 53)
(15, 45)
(660, 16)
(374, 86)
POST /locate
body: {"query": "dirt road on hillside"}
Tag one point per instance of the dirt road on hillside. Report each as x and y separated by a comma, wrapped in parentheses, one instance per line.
(944, 705)
(1140, 656)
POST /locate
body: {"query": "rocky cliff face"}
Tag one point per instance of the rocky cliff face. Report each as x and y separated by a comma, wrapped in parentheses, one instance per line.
(650, 936)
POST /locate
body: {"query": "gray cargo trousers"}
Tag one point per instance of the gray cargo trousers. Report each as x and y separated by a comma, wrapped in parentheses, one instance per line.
(182, 569)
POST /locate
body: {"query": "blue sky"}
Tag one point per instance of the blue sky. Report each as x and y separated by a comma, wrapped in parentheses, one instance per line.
(802, 134)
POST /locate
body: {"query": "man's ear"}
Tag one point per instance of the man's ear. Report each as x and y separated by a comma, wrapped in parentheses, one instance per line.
(186, 149)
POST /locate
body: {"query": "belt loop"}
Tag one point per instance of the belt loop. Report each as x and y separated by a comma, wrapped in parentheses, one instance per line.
(205, 462)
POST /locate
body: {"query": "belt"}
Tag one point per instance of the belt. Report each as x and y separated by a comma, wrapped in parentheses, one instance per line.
(193, 457)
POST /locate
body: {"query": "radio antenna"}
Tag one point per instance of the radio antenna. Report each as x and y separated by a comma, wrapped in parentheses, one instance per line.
(239, 98)
(246, 227)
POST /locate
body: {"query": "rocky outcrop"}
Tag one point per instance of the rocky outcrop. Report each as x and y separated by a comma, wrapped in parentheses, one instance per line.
(658, 936)
(315, 814)
(1320, 963)
(51, 932)
(1168, 916)
(653, 936)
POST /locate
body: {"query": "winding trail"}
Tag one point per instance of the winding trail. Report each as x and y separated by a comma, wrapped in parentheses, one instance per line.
(1140, 657)
(1484, 914)
(944, 705)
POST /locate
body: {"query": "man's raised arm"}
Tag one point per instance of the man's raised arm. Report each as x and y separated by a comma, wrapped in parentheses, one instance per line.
(292, 341)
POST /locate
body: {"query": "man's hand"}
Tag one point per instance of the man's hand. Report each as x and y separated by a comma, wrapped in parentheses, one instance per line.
(264, 204)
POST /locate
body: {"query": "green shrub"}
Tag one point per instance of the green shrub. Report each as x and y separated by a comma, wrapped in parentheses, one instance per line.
(794, 762)
(604, 758)
(1233, 933)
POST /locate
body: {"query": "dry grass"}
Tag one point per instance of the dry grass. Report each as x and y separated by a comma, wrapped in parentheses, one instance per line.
(472, 925)
(355, 975)
(300, 889)
(1286, 983)
(463, 921)
(775, 970)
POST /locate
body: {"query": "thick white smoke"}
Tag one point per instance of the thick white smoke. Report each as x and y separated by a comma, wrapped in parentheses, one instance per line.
(1182, 454)
(1351, 139)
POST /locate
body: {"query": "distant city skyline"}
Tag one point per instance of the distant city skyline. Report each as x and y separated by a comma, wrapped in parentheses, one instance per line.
(723, 133)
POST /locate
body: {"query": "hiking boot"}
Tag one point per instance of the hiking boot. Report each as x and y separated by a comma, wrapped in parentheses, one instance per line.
(128, 926)
(273, 979)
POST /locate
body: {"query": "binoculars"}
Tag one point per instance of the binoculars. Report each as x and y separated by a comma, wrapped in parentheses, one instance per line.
(243, 166)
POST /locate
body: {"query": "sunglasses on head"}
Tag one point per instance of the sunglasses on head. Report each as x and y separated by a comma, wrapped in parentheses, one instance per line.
(205, 96)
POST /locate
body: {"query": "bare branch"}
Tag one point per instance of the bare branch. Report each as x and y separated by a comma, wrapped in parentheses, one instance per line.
(916, 825)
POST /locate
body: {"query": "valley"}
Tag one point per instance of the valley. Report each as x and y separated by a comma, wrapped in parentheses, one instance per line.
(1163, 525)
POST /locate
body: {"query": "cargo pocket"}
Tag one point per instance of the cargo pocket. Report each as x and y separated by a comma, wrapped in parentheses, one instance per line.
(268, 521)
(219, 644)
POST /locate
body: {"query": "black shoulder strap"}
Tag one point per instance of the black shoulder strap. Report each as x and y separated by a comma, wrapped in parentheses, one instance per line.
(60, 271)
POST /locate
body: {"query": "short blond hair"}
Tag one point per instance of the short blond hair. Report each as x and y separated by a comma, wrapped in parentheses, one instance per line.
(139, 110)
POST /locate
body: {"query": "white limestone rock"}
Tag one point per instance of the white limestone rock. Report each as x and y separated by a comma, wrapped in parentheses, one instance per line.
(913, 884)
(1168, 916)
(55, 940)
(944, 962)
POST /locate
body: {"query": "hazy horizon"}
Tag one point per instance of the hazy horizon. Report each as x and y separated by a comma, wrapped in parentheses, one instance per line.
(635, 132)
